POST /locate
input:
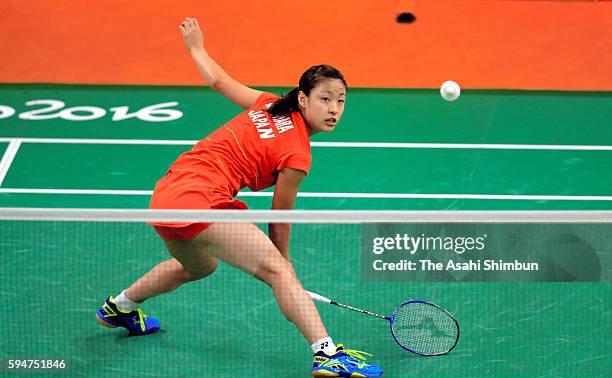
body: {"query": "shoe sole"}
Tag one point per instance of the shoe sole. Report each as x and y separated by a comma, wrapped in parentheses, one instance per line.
(104, 323)
(324, 373)
(327, 373)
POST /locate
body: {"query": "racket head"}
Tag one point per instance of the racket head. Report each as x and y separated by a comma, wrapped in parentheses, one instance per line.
(424, 328)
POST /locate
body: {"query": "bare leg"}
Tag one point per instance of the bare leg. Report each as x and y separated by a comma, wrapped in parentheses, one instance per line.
(293, 301)
(246, 247)
(170, 274)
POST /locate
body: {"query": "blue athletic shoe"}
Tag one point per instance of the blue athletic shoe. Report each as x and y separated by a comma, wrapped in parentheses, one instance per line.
(137, 322)
(345, 363)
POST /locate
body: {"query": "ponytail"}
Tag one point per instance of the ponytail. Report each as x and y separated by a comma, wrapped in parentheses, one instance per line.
(286, 104)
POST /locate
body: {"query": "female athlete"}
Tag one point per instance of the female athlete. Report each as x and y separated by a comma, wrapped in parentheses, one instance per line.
(266, 145)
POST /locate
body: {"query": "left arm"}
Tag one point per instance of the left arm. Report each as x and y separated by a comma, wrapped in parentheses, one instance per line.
(215, 76)
(285, 192)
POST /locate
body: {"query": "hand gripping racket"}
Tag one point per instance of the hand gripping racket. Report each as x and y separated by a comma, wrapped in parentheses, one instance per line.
(418, 326)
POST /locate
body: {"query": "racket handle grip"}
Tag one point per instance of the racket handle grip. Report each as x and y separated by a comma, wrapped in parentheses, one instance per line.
(318, 298)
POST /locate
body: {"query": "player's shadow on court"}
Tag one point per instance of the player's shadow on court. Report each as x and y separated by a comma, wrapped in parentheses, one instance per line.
(101, 350)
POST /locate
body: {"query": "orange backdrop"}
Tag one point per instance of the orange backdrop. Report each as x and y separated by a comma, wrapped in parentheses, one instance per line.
(480, 44)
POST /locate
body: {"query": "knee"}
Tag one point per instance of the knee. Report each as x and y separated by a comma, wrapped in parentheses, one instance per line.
(280, 271)
(195, 275)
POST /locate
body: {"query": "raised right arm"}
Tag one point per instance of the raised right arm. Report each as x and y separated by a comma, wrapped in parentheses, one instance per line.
(214, 75)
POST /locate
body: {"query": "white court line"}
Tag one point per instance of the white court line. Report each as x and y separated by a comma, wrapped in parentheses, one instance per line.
(327, 195)
(464, 146)
(328, 144)
(103, 192)
(103, 141)
(9, 156)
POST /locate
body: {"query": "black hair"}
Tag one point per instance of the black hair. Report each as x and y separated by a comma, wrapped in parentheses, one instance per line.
(309, 79)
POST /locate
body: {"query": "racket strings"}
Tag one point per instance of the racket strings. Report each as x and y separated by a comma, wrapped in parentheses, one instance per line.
(424, 328)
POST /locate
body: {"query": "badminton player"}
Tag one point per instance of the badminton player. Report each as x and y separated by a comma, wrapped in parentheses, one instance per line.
(266, 145)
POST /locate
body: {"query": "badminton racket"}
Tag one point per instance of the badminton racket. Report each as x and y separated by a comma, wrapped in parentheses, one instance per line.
(418, 326)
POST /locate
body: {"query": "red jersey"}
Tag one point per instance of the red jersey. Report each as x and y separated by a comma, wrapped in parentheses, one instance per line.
(249, 150)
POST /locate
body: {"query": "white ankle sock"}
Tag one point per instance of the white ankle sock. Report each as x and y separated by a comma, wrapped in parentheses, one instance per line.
(124, 303)
(326, 345)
